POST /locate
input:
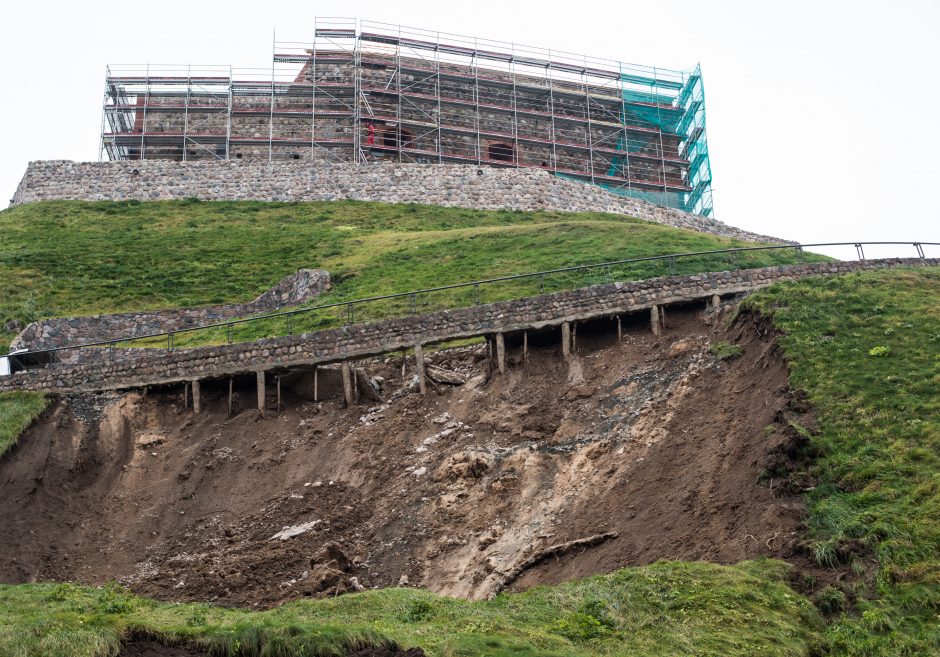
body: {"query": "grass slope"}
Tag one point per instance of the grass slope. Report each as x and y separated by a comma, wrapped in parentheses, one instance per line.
(866, 349)
(67, 258)
(660, 610)
(17, 411)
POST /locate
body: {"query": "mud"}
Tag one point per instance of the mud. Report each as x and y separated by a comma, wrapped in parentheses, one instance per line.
(652, 439)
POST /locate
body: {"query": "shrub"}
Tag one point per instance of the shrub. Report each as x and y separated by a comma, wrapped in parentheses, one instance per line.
(725, 350)
(830, 600)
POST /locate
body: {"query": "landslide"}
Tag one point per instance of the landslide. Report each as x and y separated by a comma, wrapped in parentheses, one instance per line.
(636, 450)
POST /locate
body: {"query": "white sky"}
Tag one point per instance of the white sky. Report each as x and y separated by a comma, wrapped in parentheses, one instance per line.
(822, 115)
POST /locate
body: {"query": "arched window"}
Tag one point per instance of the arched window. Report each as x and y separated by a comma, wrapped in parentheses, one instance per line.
(501, 152)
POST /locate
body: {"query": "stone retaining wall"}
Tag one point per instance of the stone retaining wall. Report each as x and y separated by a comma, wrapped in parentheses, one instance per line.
(452, 185)
(293, 290)
(158, 366)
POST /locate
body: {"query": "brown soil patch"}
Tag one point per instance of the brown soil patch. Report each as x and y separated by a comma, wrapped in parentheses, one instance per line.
(652, 439)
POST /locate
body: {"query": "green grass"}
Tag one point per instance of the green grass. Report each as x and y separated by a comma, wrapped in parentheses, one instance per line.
(866, 349)
(67, 257)
(17, 412)
(659, 610)
(725, 350)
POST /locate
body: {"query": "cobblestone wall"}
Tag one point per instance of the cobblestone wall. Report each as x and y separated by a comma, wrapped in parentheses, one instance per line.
(451, 185)
(150, 367)
(291, 290)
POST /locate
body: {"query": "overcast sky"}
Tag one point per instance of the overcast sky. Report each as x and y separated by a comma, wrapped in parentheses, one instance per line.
(822, 115)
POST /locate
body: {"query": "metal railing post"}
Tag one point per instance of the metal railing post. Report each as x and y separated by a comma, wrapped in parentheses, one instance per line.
(861, 251)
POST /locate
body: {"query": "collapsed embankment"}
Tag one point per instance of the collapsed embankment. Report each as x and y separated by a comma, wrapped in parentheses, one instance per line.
(636, 450)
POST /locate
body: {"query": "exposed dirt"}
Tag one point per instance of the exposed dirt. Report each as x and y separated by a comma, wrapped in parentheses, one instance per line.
(652, 447)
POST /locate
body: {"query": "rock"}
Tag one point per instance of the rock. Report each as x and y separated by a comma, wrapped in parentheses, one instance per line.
(295, 530)
(355, 585)
(579, 392)
(403, 580)
(444, 377)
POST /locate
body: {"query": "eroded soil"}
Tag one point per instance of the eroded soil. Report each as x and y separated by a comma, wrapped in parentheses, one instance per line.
(651, 445)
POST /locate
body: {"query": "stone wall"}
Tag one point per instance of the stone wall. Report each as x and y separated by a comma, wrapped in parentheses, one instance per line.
(293, 290)
(151, 367)
(452, 185)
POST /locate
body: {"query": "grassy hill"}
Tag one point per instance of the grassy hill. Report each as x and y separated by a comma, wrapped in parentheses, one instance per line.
(865, 348)
(660, 610)
(68, 258)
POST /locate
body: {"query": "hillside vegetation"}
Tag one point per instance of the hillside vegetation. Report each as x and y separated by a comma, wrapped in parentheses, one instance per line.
(68, 257)
(864, 347)
(660, 610)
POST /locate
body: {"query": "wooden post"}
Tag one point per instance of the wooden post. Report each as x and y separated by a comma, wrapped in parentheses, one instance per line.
(404, 361)
(185, 396)
(654, 320)
(566, 340)
(619, 329)
(316, 383)
(231, 385)
(716, 302)
(501, 353)
(261, 392)
(574, 337)
(419, 361)
(347, 385)
(279, 395)
(525, 347)
(197, 397)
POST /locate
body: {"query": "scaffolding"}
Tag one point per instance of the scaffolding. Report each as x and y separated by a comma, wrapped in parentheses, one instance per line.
(364, 91)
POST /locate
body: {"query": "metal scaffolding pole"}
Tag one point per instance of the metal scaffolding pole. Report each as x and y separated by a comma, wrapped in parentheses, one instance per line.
(515, 112)
(189, 88)
(271, 120)
(228, 118)
(551, 109)
(590, 132)
(437, 92)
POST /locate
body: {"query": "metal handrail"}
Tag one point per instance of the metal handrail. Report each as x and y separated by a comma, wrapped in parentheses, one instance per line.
(798, 248)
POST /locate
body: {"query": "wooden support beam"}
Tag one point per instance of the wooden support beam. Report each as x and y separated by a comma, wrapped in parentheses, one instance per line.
(347, 384)
(654, 320)
(501, 352)
(316, 383)
(619, 329)
(525, 347)
(197, 397)
(261, 392)
(574, 337)
(185, 396)
(419, 361)
(279, 395)
(231, 386)
(716, 302)
(566, 340)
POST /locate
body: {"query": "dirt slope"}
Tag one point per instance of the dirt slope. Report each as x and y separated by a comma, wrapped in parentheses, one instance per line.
(650, 447)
